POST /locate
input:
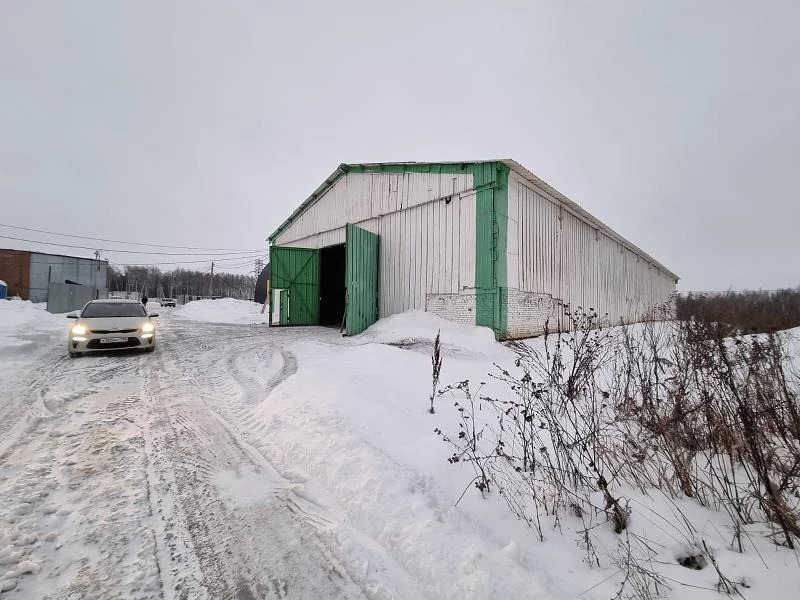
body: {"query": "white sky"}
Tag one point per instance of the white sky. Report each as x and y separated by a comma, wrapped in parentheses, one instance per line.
(206, 124)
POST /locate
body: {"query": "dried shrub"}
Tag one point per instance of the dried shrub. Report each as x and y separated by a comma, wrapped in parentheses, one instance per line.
(682, 407)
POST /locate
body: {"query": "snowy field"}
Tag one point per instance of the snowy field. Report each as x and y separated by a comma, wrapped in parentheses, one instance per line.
(240, 461)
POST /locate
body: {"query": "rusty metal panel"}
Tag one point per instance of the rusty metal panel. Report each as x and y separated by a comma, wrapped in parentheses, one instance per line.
(15, 268)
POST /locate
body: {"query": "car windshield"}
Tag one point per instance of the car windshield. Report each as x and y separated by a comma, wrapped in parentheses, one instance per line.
(113, 309)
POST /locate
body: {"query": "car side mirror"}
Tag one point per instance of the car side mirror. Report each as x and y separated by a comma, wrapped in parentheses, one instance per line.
(72, 315)
(153, 315)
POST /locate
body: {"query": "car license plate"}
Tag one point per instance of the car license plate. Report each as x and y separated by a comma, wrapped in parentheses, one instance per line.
(113, 340)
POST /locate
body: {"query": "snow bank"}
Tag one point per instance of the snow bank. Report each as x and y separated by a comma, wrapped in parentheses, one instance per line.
(224, 310)
(417, 329)
(352, 427)
(19, 319)
(354, 419)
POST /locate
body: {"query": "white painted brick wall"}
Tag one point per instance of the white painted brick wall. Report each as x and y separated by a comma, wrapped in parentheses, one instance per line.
(528, 312)
(459, 308)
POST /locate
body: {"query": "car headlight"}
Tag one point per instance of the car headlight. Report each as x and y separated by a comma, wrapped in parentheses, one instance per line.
(79, 329)
(148, 327)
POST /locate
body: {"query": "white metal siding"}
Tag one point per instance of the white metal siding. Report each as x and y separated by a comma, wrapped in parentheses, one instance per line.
(552, 251)
(427, 236)
(356, 197)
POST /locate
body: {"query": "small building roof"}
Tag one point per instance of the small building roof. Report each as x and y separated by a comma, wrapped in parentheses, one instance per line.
(92, 258)
(513, 165)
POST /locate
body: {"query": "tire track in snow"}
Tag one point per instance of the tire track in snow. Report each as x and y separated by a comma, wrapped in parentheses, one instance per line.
(390, 580)
(27, 399)
(249, 533)
(253, 389)
(74, 482)
(157, 459)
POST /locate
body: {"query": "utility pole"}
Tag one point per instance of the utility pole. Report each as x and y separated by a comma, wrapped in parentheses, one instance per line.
(94, 273)
(211, 284)
(258, 266)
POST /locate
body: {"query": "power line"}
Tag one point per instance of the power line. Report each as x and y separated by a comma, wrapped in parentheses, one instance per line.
(84, 237)
(178, 262)
(248, 263)
(7, 237)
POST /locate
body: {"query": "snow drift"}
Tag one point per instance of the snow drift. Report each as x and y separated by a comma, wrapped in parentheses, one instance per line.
(417, 329)
(19, 319)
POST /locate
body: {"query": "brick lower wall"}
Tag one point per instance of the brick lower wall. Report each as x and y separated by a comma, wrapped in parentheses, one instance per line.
(459, 308)
(527, 313)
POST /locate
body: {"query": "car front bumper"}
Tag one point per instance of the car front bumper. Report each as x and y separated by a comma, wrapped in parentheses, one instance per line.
(102, 342)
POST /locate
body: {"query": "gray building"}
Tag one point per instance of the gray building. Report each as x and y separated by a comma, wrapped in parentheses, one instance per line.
(64, 282)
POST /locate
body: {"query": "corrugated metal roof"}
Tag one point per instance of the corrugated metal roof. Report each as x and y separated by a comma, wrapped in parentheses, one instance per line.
(511, 164)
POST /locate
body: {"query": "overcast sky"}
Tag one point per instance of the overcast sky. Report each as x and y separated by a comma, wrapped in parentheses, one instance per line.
(206, 124)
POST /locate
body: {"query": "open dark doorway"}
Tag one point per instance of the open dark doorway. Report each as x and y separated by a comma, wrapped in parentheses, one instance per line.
(332, 262)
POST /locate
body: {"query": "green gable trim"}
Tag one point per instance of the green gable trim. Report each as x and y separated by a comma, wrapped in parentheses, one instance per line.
(318, 193)
(440, 168)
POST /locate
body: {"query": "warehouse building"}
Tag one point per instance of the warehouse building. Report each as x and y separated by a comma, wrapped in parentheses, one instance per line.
(485, 243)
(64, 282)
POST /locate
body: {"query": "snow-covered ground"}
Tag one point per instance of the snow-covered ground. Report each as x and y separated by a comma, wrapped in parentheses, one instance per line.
(249, 462)
(374, 452)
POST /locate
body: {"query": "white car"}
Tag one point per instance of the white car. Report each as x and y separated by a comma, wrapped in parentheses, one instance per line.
(111, 325)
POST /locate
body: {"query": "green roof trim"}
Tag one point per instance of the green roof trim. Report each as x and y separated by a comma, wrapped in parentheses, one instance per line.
(319, 192)
(442, 168)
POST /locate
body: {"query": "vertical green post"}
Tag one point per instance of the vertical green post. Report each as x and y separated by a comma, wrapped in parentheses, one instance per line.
(491, 241)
